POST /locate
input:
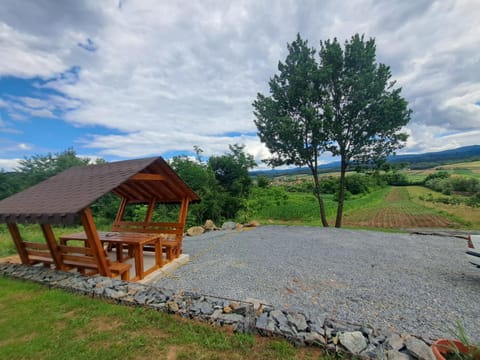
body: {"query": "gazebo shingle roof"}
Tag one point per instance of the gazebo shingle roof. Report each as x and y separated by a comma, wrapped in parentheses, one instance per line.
(60, 198)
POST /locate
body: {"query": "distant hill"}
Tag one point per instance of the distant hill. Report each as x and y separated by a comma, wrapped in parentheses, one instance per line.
(432, 159)
(414, 161)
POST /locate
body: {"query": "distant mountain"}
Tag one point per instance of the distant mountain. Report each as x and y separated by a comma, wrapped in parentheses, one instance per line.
(432, 159)
(414, 161)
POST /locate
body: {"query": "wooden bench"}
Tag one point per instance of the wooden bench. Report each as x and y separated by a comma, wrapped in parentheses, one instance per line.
(38, 253)
(173, 233)
(83, 258)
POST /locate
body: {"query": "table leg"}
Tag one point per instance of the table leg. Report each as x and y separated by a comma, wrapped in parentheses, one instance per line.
(139, 261)
(119, 248)
(158, 253)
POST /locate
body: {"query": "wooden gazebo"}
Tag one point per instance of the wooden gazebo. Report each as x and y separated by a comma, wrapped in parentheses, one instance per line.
(65, 199)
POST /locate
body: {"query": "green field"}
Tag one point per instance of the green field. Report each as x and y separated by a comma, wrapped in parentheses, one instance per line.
(387, 207)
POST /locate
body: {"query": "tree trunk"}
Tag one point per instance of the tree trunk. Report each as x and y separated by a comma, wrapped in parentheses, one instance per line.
(318, 195)
(341, 194)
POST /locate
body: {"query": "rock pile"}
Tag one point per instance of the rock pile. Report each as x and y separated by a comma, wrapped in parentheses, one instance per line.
(251, 316)
(227, 225)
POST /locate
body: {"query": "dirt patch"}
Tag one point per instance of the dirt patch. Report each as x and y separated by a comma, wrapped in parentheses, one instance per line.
(396, 195)
(396, 218)
(14, 259)
(398, 212)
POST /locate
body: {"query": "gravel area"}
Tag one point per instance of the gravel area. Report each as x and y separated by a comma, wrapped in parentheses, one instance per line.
(416, 284)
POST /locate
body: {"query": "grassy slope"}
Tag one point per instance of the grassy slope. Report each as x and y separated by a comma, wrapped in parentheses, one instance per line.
(38, 323)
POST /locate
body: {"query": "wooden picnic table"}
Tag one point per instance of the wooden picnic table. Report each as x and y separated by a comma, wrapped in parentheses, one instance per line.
(134, 241)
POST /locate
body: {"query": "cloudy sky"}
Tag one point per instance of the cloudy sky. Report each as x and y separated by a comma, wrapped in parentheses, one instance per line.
(135, 78)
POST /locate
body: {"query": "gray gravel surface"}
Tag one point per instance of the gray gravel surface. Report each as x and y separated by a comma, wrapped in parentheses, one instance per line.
(406, 283)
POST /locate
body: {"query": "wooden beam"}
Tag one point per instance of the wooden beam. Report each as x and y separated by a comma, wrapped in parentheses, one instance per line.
(182, 216)
(52, 245)
(151, 208)
(148, 177)
(17, 239)
(121, 210)
(94, 242)
(182, 219)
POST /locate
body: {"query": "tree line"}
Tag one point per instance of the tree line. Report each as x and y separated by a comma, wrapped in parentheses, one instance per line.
(222, 182)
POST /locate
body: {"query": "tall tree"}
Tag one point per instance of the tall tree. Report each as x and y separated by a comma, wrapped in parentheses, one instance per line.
(345, 104)
(290, 121)
(363, 111)
(231, 172)
(202, 180)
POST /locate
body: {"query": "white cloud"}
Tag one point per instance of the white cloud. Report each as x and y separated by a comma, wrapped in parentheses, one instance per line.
(9, 164)
(170, 75)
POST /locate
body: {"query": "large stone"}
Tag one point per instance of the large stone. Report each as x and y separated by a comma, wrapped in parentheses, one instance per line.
(229, 225)
(317, 322)
(172, 306)
(313, 338)
(242, 310)
(204, 308)
(195, 231)
(279, 317)
(282, 323)
(394, 342)
(209, 225)
(114, 293)
(265, 324)
(370, 352)
(419, 349)
(353, 341)
(257, 304)
(231, 318)
(216, 314)
(396, 355)
(297, 320)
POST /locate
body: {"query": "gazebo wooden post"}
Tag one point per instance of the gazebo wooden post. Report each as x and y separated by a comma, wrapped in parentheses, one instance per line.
(94, 242)
(17, 239)
(52, 245)
(182, 219)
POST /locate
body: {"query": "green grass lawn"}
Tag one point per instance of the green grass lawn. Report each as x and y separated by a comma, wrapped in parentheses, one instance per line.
(38, 323)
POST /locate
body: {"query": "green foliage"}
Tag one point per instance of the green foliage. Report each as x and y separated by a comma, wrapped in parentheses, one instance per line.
(223, 183)
(290, 121)
(37, 168)
(437, 175)
(40, 167)
(261, 199)
(396, 178)
(10, 183)
(202, 180)
(231, 172)
(364, 112)
(263, 181)
(442, 182)
(474, 201)
(329, 185)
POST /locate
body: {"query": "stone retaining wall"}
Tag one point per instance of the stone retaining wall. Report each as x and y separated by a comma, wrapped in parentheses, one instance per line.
(250, 316)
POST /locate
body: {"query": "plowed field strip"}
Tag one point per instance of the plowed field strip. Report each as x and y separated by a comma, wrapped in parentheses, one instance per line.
(397, 211)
